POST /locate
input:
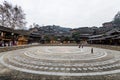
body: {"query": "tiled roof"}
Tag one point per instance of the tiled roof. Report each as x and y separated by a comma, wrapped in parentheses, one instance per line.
(21, 32)
(6, 29)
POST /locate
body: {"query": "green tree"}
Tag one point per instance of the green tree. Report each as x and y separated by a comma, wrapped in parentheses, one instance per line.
(117, 19)
(67, 38)
(76, 37)
(47, 38)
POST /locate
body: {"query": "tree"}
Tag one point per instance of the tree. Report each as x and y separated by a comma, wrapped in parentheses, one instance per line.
(36, 25)
(76, 37)
(47, 38)
(117, 19)
(3, 17)
(12, 16)
(7, 7)
(67, 38)
(18, 19)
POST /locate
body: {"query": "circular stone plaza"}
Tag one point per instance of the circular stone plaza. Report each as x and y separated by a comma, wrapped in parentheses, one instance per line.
(62, 63)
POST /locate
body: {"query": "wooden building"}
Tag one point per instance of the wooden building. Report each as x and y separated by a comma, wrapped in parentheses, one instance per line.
(10, 37)
(7, 36)
(23, 37)
(111, 38)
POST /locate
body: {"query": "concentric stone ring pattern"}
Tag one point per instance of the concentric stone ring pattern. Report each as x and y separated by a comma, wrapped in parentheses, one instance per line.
(63, 61)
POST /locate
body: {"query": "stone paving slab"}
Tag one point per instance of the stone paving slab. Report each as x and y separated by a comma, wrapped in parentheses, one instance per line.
(19, 68)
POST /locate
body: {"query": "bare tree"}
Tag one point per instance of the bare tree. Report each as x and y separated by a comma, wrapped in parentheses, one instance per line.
(2, 15)
(8, 13)
(18, 19)
(12, 16)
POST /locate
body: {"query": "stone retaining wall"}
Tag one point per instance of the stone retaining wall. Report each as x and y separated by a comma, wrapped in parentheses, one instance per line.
(111, 47)
(4, 49)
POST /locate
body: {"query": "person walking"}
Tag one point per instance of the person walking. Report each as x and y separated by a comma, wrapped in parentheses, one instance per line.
(82, 45)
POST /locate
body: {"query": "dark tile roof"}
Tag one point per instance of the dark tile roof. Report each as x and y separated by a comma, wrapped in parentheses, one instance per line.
(20, 32)
(112, 31)
(6, 29)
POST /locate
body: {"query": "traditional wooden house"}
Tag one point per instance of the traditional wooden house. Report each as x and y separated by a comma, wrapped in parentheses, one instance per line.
(111, 37)
(7, 36)
(35, 37)
(23, 37)
(10, 37)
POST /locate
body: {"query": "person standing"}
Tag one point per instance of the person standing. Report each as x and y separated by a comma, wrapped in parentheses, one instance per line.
(92, 50)
(2, 43)
(79, 45)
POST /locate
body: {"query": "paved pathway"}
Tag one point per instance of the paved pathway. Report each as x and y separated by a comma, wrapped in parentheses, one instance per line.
(61, 61)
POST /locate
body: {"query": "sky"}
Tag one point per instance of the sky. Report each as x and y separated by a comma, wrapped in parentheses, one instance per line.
(68, 13)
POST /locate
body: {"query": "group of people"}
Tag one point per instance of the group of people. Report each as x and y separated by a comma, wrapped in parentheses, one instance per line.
(10, 43)
(81, 46)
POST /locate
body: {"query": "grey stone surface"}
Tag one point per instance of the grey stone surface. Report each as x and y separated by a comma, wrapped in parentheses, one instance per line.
(63, 61)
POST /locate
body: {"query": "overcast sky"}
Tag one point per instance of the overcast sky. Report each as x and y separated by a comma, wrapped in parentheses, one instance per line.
(68, 13)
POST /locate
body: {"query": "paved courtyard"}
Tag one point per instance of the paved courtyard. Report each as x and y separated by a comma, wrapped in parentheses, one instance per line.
(63, 62)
